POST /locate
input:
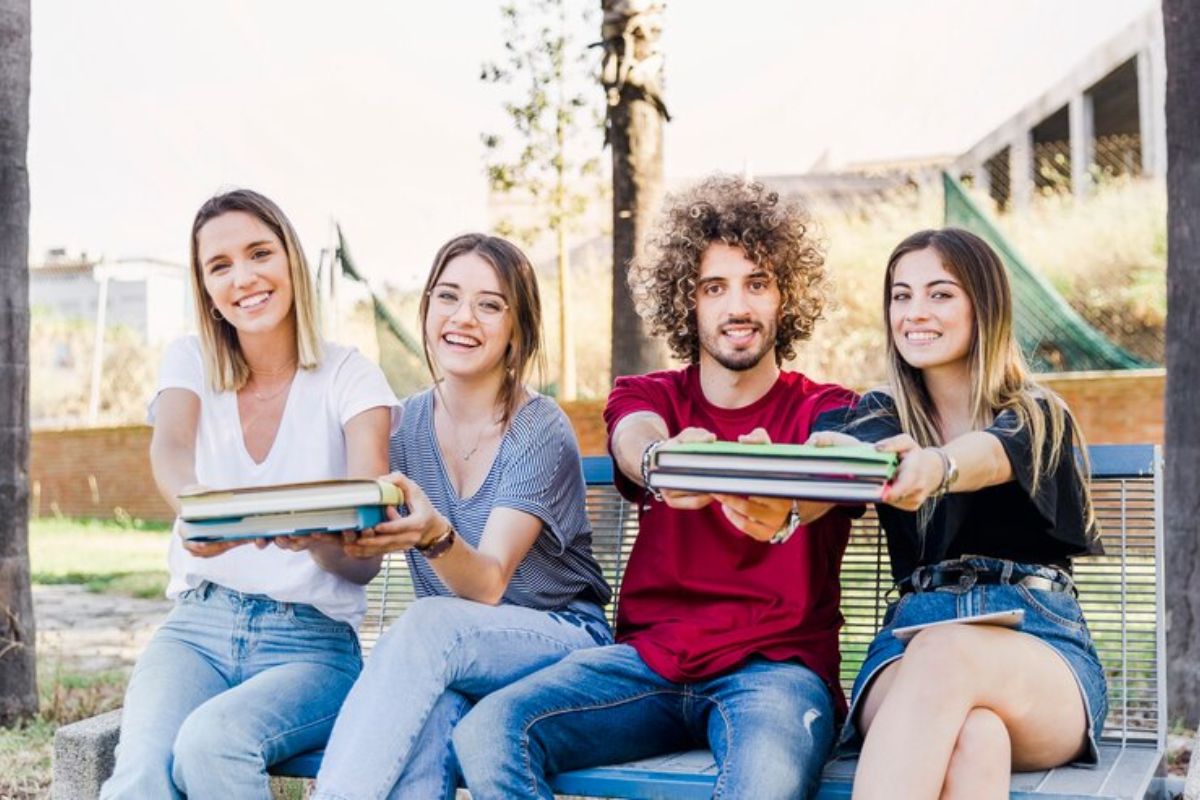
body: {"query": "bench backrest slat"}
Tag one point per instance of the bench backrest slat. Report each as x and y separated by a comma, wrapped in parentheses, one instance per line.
(1120, 591)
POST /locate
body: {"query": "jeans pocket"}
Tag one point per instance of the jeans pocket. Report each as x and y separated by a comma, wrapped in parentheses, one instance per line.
(309, 618)
(1061, 608)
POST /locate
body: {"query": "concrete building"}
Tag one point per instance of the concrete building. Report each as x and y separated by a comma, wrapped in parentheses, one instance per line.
(146, 295)
(1106, 117)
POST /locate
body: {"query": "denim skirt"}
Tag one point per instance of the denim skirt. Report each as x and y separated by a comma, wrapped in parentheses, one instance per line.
(1054, 617)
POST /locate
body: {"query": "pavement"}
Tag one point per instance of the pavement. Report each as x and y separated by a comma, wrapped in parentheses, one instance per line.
(81, 632)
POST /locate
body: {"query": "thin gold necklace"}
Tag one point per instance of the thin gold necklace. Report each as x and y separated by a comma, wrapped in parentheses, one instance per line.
(271, 373)
(478, 439)
(262, 398)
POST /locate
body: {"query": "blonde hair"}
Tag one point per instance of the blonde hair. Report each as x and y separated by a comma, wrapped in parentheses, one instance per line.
(224, 361)
(1000, 378)
(518, 284)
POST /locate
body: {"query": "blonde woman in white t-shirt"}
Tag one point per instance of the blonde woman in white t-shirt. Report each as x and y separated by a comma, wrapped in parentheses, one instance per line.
(253, 663)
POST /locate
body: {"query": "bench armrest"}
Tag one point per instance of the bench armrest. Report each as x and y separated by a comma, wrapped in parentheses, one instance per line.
(83, 756)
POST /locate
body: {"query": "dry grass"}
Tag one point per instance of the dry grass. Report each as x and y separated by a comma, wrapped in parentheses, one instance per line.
(1106, 255)
(25, 750)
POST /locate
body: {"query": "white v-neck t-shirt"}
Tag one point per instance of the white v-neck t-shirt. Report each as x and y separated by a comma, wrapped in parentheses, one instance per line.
(309, 446)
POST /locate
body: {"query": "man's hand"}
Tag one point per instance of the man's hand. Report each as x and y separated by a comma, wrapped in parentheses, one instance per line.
(758, 517)
(832, 439)
(688, 501)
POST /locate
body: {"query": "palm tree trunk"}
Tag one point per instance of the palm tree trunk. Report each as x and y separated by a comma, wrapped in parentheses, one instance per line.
(18, 685)
(632, 76)
(1181, 23)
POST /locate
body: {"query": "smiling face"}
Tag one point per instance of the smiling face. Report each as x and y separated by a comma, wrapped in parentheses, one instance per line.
(930, 315)
(245, 272)
(468, 321)
(737, 308)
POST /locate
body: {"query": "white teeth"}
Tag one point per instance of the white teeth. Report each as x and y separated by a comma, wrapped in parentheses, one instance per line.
(921, 336)
(465, 341)
(253, 300)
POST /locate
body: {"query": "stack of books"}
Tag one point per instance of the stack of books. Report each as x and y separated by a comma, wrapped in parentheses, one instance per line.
(833, 474)
(290, 509)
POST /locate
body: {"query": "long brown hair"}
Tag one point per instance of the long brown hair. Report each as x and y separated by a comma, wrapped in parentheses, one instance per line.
(518, 283)
(223, 359)
(1000, 378)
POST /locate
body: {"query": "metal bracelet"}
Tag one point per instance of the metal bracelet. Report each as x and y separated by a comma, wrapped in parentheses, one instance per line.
(790, 525)
(647, 458)
(949, 473)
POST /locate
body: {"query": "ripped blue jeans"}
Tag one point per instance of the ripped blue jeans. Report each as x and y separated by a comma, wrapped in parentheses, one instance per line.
(769, 724)
(392, 736)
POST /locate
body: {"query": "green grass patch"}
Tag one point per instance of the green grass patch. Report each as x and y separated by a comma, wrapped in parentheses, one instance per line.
(126, 557)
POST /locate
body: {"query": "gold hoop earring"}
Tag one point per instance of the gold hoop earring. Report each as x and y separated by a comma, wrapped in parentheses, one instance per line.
(215, 314)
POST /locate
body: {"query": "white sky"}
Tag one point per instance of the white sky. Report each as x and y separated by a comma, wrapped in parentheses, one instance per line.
(141, 109)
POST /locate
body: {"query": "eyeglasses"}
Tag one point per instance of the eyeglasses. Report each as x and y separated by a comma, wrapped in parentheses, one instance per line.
(485, 307)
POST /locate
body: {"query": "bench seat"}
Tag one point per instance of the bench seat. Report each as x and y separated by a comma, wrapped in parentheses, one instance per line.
(1121, 593)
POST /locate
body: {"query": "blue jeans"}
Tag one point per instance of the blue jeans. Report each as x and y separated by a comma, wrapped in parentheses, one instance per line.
(1054, 617)
(392, 737)
(229, 685)
(770, 725)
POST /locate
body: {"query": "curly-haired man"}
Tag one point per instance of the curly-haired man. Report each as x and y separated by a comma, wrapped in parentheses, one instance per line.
(728, 620)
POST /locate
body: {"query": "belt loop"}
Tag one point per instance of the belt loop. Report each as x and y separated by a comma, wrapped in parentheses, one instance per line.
(916, 579)
(1006, 572)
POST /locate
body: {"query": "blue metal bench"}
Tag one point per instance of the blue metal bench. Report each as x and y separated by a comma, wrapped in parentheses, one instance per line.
(1121, 593)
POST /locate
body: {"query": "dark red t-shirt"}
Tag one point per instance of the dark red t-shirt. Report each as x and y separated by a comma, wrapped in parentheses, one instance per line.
(700, 597)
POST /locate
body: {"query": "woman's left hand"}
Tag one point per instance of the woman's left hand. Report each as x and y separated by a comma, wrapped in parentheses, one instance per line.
(422, 525)
(919, 475)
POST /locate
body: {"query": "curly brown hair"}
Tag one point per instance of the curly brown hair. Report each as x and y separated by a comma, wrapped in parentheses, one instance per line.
(778, 235)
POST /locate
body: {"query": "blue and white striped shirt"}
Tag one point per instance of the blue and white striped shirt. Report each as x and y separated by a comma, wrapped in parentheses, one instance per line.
(536, 470)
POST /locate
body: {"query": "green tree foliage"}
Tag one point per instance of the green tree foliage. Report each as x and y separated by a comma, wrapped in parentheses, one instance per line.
(550, 168)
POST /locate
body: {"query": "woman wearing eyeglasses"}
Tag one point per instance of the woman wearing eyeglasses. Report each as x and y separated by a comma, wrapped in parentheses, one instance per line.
(497, 538)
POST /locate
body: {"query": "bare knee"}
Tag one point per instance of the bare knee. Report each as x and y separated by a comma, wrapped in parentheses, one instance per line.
(981, 763)
(942, 660)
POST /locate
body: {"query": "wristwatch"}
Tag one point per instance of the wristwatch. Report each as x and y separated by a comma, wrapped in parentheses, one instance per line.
(439, 545)
(789, 526)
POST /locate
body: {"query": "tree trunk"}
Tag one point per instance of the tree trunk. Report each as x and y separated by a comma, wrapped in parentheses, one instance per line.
(18, 686)
(1181, 22)
(632, 75)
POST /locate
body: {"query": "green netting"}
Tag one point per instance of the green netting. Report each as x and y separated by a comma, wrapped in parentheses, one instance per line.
(1052, 334)
(400, 355)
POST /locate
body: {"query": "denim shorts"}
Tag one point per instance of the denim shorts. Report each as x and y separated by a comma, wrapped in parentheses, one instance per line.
(1054, 617)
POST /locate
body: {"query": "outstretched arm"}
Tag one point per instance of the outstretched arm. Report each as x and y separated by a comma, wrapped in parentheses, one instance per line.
(635, 433)
(366, 457)
(978, 455)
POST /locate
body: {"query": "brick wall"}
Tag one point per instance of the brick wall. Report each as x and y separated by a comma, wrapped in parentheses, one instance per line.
(92, 472)
(1116, 407)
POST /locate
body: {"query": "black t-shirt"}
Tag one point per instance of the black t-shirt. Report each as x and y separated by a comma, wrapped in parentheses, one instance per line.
(1010, 520)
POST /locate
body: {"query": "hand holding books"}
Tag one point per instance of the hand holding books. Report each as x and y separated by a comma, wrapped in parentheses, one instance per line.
(762, 487)
(822, 474)
(422, 527)
(226, 518)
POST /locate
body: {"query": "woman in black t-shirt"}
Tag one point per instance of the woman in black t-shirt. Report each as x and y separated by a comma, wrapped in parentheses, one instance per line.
(985, 512)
